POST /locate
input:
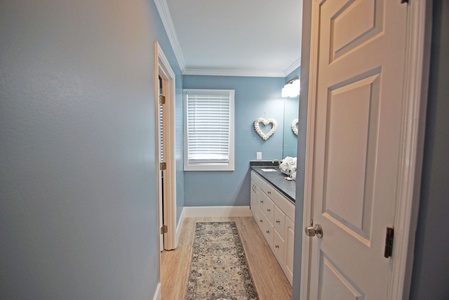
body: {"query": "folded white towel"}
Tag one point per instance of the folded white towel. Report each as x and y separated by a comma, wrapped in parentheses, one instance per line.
(288, 165)
(293, 175)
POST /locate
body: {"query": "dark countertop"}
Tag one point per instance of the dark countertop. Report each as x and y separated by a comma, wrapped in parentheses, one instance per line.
(277, 179)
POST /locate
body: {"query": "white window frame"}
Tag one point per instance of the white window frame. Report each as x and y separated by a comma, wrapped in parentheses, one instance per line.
(205, 165)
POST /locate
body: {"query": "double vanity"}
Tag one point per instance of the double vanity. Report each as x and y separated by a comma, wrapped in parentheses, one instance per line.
(273, 208)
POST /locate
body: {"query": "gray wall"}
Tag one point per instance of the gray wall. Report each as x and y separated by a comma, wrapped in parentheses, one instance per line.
(302, 138)
(179, 144)
(431, 265)
(78, 201)
(254, 97)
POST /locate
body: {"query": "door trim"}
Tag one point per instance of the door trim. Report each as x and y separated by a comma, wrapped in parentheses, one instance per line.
(412, 142)
(163, 69)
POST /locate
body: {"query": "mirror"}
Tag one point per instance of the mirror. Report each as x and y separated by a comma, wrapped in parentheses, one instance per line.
(291, 112)
(290, 140)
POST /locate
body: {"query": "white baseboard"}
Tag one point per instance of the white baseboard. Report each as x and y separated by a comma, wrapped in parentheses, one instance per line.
(216, 211)
(157, 293)
(179, 227)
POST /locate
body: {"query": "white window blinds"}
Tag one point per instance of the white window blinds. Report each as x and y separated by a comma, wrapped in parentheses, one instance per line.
(209, 130)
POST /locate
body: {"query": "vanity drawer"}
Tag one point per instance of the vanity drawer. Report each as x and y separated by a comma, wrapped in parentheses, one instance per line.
(279, 221)
(266, 188)
(263, 185)
(259, 218)
(279, 248)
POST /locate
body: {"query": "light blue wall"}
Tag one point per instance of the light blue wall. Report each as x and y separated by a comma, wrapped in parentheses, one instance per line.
(78, 208)
(431, 265)
(254, 97)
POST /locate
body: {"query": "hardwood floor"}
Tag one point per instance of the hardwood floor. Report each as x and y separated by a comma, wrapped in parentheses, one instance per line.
(268, 277)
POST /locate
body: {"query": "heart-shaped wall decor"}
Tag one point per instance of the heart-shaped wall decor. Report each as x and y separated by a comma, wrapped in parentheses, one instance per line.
(265, 122)
(295, 126)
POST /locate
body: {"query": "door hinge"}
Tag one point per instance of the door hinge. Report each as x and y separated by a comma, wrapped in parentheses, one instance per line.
(163, 166)
(164, 229)
(389, 242)
(161, 99)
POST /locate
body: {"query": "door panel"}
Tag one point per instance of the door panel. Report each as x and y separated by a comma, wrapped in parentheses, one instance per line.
(344, 35)
(335, 284)
(352, 113)
(356, 145)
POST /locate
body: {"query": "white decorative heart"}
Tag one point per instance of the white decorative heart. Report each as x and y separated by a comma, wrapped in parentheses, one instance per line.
(265, 122)
(295, 126)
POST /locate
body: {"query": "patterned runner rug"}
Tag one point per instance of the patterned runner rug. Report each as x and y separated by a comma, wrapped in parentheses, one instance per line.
(219, 269)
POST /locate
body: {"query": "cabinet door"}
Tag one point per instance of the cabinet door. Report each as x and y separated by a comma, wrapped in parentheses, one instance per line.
(289, 248)
(267, 230)
(254, 198)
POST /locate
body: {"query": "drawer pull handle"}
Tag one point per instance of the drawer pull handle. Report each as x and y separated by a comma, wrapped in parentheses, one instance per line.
(277, 221)
(267, 231)
(268, 209)
(261, 201)
(276, 246)
(261, 221)
(269, 193)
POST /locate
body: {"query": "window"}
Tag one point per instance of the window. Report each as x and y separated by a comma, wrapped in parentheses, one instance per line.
(209, 130)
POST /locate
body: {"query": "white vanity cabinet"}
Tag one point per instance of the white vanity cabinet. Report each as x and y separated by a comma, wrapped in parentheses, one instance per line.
(274, 213)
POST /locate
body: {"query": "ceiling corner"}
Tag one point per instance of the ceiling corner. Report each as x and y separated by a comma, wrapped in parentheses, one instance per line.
(296, 64)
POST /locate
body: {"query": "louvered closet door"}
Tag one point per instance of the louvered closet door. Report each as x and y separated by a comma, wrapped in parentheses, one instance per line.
(161, 133)
(162, 185)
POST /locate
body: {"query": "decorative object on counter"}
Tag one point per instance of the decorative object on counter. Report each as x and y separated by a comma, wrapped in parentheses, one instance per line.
(265, 122)
(218, 268)
(295, 126)
(288, 166)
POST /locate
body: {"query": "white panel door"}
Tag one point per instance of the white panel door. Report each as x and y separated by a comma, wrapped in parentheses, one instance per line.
(356, 144)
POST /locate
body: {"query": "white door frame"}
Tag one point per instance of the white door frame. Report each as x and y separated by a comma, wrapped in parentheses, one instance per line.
(413, 122)
(163, 69)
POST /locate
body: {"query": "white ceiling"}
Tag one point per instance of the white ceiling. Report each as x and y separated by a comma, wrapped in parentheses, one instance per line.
(234, 37)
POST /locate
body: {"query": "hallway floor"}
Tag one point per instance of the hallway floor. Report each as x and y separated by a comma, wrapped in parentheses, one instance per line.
(268, 276)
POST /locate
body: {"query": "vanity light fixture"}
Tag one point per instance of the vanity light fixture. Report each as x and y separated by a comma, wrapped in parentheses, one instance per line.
(291, 88)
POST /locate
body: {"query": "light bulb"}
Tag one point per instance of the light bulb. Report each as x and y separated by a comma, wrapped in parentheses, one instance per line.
(291, 89)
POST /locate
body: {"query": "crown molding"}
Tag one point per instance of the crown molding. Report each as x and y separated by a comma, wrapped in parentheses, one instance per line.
(230, 72)
(245, 73)
(296, 64)
(164, 13)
